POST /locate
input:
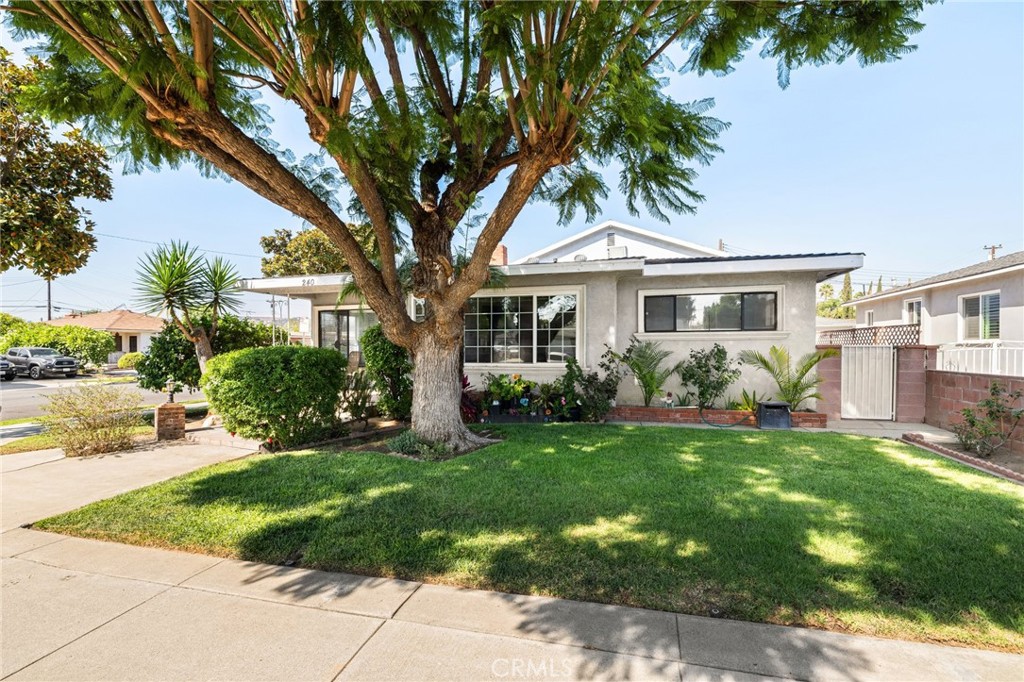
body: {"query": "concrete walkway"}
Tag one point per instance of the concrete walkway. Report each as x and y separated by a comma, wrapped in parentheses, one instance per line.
(76, 609)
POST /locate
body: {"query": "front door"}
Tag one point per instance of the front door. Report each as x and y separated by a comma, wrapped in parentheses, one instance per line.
(334, 327)
(133, 344)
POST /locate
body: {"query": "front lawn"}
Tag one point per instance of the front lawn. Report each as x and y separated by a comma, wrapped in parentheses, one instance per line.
(825, 530)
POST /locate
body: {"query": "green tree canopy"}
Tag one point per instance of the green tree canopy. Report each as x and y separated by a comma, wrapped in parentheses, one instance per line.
(41, 227)
(420, 107)
(308, 252)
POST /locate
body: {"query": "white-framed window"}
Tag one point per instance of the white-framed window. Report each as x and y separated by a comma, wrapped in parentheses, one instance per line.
(523, 326)
(912, 311)
(751, 310)
(979, 316)
(869, 318)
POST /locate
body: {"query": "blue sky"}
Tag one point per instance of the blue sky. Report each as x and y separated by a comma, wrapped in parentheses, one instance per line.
(918, 163)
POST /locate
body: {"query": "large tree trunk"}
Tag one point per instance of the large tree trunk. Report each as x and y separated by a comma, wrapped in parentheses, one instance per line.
(437, 392)
(204, 349)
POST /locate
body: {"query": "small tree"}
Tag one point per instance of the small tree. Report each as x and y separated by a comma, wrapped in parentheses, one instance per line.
(710, 372)
(41, 179)
(310, 252)
(172, 356)
(175, 279)
(826, 291)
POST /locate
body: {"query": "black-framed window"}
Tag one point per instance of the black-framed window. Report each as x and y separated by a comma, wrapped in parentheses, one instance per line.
(746, 311)
(520, 329)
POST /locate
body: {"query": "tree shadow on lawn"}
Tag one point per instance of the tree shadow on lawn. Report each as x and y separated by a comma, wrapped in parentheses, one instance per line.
(818, 530)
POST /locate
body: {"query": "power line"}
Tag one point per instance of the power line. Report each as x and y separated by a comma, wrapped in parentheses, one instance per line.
(146, 241)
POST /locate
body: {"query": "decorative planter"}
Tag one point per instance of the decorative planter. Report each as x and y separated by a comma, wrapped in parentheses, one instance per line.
(809, 420)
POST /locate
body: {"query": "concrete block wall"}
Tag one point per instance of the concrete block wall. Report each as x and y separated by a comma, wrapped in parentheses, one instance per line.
(830, 389)
(950, 392)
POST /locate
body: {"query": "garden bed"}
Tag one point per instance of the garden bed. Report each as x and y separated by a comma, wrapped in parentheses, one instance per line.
(691, 415)
(790, 528)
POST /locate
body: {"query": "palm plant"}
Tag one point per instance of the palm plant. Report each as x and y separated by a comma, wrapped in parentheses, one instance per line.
(795, 384)
(176, 280)
(644, 359)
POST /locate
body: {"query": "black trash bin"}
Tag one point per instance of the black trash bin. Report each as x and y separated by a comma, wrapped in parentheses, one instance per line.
(773, 414)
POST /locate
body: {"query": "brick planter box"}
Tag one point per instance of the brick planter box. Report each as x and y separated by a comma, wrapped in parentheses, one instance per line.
(690, 415)
(809, 420)
(679, 415)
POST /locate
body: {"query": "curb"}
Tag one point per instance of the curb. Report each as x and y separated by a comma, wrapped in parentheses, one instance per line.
(973, 462)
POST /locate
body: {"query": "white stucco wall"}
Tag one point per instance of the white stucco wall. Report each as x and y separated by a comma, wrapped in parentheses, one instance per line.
(940, 308)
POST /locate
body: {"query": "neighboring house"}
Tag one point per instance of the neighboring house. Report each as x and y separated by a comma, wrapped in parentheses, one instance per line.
(600, 287)
(132, 331)
(974, 314)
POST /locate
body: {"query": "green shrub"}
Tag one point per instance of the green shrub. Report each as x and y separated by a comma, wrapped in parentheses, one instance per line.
(408, 443)
(357, 396)
(593, 393)
(88, 345)
(93, 418)
(990, 425)
(710, 372)
(129, 360)
(795, 384)
(644, 359)
(284, 395)
(172, 356)
(390, 370)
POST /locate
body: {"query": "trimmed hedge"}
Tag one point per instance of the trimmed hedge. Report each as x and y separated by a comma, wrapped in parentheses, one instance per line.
(129, 360)
(284, 395)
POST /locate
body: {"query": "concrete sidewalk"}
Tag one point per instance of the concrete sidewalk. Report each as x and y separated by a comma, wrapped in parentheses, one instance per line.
(75, 609)
(79, 609)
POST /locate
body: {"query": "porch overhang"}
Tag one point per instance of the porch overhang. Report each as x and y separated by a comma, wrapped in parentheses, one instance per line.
(302, 286)
(824, 266)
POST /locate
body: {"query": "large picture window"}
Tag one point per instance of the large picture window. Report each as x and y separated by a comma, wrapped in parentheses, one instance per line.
(520, 329)
(753, 311)
(980, 316)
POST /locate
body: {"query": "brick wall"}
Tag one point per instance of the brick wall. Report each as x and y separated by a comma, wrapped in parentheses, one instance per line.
(911, 364)
(950, 392)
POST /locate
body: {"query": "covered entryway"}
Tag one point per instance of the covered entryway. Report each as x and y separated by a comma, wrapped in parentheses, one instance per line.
(868, 381)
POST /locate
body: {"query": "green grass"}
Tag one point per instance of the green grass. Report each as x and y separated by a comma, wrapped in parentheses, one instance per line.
(20, 420)
(825, 530)
(45, 441)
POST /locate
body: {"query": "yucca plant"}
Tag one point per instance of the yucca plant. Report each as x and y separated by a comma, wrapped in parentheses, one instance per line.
(644, 359)
(796, 384)
(176, 280)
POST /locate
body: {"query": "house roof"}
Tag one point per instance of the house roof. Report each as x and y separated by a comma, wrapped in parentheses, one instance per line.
(990, 267)
(112, 321)
(583, 236)
(825, 265)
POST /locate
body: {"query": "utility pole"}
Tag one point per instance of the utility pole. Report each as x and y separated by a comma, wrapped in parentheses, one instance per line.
(49, 301)
(273, 320)
(721, 245)
(992, 250)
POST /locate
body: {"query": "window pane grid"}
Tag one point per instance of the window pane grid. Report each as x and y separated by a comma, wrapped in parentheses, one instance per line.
(520, 329)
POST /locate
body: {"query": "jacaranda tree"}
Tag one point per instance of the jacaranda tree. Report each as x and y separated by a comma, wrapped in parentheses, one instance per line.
(419, 107)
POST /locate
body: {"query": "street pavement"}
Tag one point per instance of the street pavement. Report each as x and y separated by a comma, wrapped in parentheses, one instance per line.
(26, 397)
(77, 609)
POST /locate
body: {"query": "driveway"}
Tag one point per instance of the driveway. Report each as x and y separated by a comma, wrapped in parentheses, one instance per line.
(76, 609)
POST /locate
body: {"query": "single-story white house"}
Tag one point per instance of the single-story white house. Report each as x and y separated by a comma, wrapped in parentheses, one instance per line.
(132, 331)
(600, 287)
(974, 314)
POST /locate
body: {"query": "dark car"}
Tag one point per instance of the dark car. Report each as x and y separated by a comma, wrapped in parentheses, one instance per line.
(6, 370)
(39, 362)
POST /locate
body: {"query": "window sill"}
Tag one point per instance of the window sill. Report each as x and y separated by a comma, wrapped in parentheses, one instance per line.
(711, 336)
(506, 367)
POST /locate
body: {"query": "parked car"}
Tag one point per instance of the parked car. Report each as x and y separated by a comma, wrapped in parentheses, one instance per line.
(39, 362)
(7, 372)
